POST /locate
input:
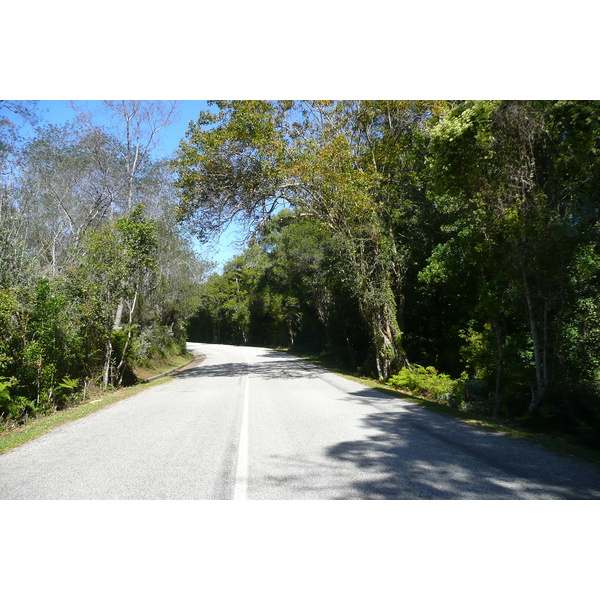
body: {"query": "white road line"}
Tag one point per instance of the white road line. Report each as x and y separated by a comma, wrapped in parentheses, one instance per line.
(240, 491)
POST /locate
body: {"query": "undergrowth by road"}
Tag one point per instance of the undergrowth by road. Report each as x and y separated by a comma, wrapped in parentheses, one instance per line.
(13, 437)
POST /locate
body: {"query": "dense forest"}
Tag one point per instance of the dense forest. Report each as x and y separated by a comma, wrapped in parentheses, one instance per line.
(96, 275)
(450, 248)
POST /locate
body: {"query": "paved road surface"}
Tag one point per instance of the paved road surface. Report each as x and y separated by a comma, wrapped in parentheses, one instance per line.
(252, 423)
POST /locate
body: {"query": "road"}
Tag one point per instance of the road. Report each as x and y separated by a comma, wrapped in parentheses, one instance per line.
(252, 423)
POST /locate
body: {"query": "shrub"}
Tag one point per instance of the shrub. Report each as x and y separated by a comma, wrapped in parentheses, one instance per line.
(66, 391)
(427, 382)
(13, 408)
(5, 399)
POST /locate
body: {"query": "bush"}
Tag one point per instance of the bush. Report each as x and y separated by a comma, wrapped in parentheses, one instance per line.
(13, 408)
(155, 341)
(571, 409)
(427, 382)
(66, 391)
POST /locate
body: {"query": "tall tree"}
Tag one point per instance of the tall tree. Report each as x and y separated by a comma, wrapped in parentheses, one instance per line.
(14, 258)
(69, 179)
(327, 160)
(135, 127)
(522, 178)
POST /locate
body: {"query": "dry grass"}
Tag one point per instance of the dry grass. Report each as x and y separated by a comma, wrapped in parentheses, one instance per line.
(158, 366)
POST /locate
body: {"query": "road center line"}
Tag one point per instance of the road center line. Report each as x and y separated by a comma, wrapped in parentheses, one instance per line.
(240, 491)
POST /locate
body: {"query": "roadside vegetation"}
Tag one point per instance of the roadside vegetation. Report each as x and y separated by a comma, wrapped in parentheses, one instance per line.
(450, 249)
(97, 278)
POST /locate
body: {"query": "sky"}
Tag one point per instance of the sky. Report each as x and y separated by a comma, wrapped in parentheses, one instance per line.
(58, 112)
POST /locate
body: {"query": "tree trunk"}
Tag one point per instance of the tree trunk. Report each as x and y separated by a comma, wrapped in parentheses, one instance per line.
(389, 354)
(499, 371)
(121, 366)
(106, 376)
(118, 315)
(541, 375)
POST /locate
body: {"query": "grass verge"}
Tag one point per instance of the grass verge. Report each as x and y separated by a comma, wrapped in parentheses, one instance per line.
(158, 366)
(40, 425)
(559, 444)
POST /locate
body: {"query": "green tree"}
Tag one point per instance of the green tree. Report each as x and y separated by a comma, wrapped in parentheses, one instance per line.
(118, 266)
(516, 179)
(327, 160)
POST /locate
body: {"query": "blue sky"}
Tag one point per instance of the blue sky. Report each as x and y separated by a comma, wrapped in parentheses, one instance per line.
(58, 112)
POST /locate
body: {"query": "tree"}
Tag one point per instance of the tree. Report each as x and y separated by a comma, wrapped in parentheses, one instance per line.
(68, 182)
(518, 179)
(322, 158)
(14, 258)
(118, 263)
(134, 134)
(77, 248)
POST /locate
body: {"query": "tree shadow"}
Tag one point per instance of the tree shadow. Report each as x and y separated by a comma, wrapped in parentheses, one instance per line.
(415, 454)
(272, 369)
(409, 452)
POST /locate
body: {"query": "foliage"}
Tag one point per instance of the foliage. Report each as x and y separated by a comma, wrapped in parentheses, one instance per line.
(581, 321)
(283, 291)
(518, 213)
(335, 163)
(427, 382)
(457, 234)
(86, 235)
(462, 235)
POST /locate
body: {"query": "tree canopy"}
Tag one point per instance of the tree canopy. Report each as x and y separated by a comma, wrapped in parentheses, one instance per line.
(459, 234)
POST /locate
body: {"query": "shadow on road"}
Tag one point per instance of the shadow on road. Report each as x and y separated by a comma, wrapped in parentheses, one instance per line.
(408, 452)
(272, 369)
(416, 454)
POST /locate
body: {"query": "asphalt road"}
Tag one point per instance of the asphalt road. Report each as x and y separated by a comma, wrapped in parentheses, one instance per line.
(252, 423)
